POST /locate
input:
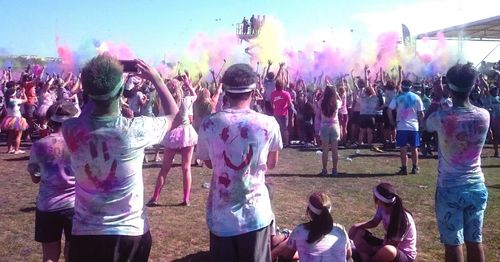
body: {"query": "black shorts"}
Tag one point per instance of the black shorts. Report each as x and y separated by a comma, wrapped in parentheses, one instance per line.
(251, 246)
(379, 119)
(49, 225)
(29, 110)
(387, 123)
(354, 118)
(378, 242)
(268, 108)
(110, 248)
(367, 121)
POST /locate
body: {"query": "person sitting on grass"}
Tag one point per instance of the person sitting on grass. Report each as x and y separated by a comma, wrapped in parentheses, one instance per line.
(400, 241)
(50, 165)
(319, 239)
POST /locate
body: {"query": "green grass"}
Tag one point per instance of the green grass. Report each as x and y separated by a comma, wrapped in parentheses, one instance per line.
(180, 233)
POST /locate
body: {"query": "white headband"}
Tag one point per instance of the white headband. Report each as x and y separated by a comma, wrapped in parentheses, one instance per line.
(382, 198)
(458, 89)
(316, 210)
(240, 89)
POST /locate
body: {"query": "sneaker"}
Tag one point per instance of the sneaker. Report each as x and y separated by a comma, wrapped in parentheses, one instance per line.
(18, 152)
(376, 149)
(415, 170)
(402, 172)
(334, 172)
(323, 172)
(354, 145)
(152, 203)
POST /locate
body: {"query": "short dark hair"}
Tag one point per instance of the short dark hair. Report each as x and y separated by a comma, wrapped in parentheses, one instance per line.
(101, 74)
(462, 76)
(279, 84)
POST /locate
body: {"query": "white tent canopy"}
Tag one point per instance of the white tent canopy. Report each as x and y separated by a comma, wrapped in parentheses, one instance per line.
(482, 30)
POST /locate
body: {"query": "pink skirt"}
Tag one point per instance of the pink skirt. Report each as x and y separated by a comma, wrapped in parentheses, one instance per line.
(14, 123)
(181, 136)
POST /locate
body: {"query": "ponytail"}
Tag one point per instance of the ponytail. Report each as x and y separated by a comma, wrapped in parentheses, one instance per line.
(321, 221)
(398, 223)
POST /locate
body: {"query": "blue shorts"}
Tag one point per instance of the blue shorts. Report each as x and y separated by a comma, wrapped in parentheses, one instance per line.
(460, 213)
(406, 137)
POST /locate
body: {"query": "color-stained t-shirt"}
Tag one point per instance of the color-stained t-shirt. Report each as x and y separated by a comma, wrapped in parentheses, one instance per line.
(461, 135)
(13, 108)
(408, 241)
(368, 104)
(332, 247)
(407, 105)
(29, 90)
(389, 96)
(238, 141)
(269, 87)
(106, 156)
(57, 181)
(492, 104)
(281, 101)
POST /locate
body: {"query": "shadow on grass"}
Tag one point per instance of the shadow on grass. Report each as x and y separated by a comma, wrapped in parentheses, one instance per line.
(490, 166)
(496, 186)
(341, 175)
(160, 163)
(199, 256)
(27, 209)
(377, 155)
(22, 158)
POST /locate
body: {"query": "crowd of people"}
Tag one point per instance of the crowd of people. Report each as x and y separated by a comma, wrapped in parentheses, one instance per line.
(253, 25)
(93, 128)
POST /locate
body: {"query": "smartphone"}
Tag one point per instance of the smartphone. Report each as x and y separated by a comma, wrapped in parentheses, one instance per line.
(129, 66)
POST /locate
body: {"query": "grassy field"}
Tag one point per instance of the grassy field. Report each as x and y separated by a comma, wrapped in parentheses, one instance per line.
(181, 234)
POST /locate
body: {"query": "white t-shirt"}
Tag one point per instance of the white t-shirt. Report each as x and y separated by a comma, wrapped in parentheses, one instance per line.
(106, 157)
(407, 105)
(14, 107)
(238, 141)
(57, 181)
(332, 247)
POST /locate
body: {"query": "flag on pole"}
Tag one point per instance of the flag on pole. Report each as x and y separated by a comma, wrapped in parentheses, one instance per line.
(406, 36)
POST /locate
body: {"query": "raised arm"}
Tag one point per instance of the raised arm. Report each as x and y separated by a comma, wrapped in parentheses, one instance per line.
(400, 77)
(354, 82)
(167, 101)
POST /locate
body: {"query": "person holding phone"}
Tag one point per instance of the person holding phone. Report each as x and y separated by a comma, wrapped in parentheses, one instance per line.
(107, 152)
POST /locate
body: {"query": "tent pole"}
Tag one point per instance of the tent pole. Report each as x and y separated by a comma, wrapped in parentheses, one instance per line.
(488, 54)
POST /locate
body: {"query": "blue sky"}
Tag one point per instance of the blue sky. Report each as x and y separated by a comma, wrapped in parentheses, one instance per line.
(152, 27)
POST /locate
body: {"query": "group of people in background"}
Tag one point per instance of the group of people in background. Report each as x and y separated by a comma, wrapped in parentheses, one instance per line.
(94, 128)
(253, 25)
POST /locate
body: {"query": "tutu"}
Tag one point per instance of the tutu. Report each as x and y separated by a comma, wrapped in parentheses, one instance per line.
(14, 123)
(181, 136)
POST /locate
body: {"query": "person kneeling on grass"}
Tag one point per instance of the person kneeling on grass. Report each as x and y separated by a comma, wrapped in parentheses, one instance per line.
(400, 240)
(50, 165)
(319, 239)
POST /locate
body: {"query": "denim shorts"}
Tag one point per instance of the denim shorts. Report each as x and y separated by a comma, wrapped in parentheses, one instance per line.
(329, 133)
(460, 213)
